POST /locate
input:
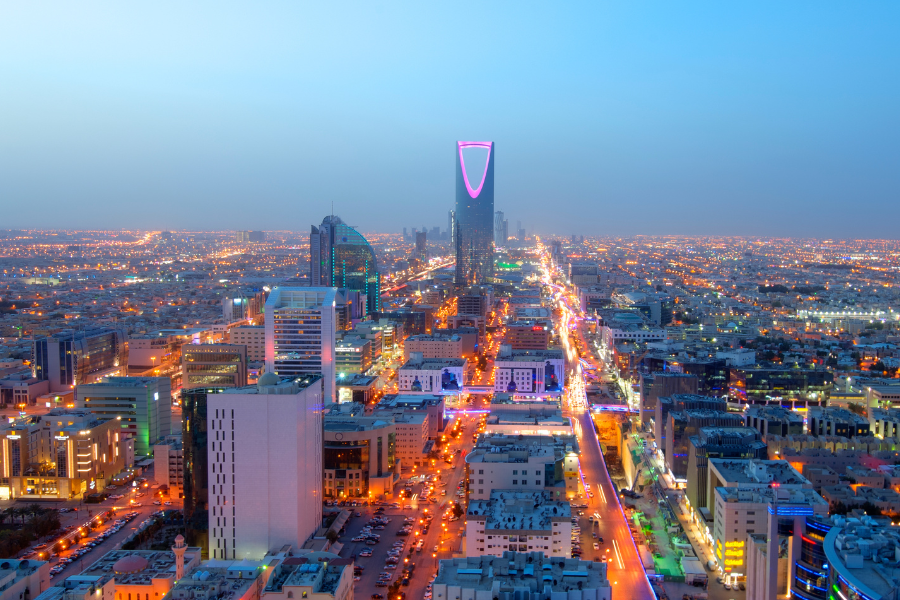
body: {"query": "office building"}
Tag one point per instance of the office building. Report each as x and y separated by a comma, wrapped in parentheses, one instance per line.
(503, 577)
(265, 466)
(474, 219)
(884, 423)
(300, 334)
(415, 320)
(526, 463)
(788, 385)
(836, 421)
(432, 405)
(436, 345)
(61, 455)
(432, 375)
(360, 456)
(353, 356)
(213, 365)
(536, 372)
(476, 300)
(663, 385)
(741, 512)
(751, 474)
(253, 237)
(678, 403)
(341, 257)
(72, 358)
(773, 420)
(528, 335)
(196, 465)
(717, 443)
(251, 336)
(142, 405)
(680, 426)
(514, 520)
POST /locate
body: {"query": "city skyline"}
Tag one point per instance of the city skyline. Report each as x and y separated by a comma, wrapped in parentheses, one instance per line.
(753, 120)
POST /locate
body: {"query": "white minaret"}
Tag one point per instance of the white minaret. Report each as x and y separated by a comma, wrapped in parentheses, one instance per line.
(179, 549)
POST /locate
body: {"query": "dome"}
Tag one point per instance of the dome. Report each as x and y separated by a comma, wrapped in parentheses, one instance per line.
(268, 379)
(130, 564)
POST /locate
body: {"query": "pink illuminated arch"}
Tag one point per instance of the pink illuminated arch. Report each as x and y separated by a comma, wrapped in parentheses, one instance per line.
(462, 164)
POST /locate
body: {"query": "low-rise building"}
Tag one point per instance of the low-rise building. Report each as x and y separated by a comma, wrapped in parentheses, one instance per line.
(836, 421)
(436, 345)
(884, 423)
(360, 456)
(512, 574)
(773, 419)
(717, 443)
(511, 520)
(537, 372)
(141, 574)
(224, 580)
(432, 375)
(311, 579)
(752, 474)
(865, 477)
(528, 335)
(61, 455)
(432, 405)
(356, 388)
(168, 465)
(24, 578)
(520, 462)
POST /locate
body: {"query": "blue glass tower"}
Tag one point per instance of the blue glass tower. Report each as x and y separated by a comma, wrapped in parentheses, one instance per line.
(474, 220)
(341, 257)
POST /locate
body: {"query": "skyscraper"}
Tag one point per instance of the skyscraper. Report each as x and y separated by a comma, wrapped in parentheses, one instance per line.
(474, 220)
(422, 246)
(300, 333)
(500, 229)
(341, 257)
(265, 466)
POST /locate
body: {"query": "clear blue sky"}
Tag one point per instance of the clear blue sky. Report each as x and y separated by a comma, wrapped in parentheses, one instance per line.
(756, 118)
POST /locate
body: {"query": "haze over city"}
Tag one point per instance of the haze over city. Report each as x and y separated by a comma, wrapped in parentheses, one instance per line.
(479, 301)
(758, 119)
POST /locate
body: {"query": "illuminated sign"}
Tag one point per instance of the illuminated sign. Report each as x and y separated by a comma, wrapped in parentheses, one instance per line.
(734, 553)
(733, 562)
(62, 438)
(13, 437)
(734, 544)
(156, 396)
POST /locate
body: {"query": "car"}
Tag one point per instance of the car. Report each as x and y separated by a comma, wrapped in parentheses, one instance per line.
(381, 583)
(727, 585)
(600, 540)
(596, 546)
(167, 503)
(365, 553)
(435, 548)
(377, 597)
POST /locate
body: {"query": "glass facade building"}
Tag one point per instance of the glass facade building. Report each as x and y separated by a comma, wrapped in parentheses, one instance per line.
(341, 257)
(71, 358)
(474, 217)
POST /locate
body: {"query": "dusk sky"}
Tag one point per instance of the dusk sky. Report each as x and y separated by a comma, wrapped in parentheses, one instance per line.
(609, 118)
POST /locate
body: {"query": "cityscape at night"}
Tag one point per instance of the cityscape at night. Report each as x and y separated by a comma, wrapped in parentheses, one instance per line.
(588, 302)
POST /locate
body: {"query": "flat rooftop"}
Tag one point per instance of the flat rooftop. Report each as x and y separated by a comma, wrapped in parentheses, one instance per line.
(751, 471)
(514, 510)
(801, 496)
(288, 385)
(520, 571)
(433, 364)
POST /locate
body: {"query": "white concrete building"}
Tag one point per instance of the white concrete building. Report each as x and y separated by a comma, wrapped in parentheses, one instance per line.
(529, 371)
(521, 575)
(432, 375)
(168, 465)
(517, 521)
(300, 333)
(526, 463)
(435, 345)
(265, 466)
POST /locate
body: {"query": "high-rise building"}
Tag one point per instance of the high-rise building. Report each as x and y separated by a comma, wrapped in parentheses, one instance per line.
(475, 219)
(341, 257)
(422, 246)
(142, 405)
(216, 365)
(71, 358)
(501, 229)
(265, 466)
(300, 333)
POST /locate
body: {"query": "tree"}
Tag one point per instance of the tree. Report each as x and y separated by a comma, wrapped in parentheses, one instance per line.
(331, 536)
(857, 408)
(457, 510)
